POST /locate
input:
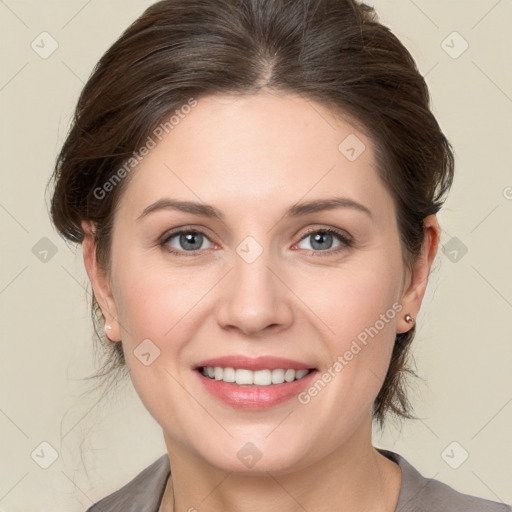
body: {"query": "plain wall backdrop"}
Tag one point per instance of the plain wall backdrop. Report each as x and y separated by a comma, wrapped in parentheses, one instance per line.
(463, 348)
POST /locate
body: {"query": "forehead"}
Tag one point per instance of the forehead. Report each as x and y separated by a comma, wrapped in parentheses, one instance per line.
(243, 150)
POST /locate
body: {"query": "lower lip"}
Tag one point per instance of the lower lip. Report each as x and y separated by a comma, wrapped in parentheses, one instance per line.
(247, 396)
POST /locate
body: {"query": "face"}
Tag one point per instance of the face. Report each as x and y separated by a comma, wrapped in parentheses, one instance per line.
(264, 278)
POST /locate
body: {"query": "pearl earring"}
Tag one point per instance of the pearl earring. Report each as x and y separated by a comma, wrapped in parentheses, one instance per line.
(409, 319)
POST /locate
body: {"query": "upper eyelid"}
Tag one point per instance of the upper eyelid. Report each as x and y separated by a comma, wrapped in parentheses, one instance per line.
(336, 231)
(186, 229)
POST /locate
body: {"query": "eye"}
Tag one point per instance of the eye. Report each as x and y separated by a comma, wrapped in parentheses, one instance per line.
(185, 241)
(321, 240)
(191, 241)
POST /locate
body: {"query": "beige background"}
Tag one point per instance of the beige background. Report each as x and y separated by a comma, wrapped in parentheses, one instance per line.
(463, 349)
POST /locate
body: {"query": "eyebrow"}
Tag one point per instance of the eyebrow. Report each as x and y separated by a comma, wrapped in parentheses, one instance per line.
(296, 210)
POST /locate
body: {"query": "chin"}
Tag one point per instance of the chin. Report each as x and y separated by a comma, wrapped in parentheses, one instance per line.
(259, 456)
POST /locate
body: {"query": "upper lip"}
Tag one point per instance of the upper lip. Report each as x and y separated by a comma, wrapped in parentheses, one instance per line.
(254, 363)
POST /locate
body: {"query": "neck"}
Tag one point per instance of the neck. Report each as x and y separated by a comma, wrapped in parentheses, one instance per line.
(356, 477)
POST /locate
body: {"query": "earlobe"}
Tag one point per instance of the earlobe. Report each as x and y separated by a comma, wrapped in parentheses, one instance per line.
(413, 296)
(100, 282)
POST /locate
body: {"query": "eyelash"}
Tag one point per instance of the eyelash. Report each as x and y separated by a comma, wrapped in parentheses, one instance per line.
(347, 242)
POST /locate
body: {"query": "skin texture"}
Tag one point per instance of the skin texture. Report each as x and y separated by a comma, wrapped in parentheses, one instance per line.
(252, 158)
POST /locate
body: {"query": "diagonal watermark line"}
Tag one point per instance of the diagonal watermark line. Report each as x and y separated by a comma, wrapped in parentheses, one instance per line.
(302, 301)
(425, 425)
(198, 402)
(217, 486)
(76, 281)
(83, 82)
(10, 490)
(444, 231)
(286, 491)
(491, 419)
(502, 501)
(105, 391)
(73, 72)
(75, 15)
(206, 293)
(14, 424)
(12, 280)
(492, 81)
(431, 69)
(424, 13)
(416, 495)
(280, 423)
(88, 497)
(14, 76)
(167, 167)
(13, 13)
(311, 105)
(492, 211)
(77, 422)
(380, 379)
(502, 296)
(14, 218)
(486, 14)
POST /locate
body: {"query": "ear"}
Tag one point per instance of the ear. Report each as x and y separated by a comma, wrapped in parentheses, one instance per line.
(413, 296)
(100, 282)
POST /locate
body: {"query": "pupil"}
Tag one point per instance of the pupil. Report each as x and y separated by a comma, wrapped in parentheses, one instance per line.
(320, 238)
(189, 239)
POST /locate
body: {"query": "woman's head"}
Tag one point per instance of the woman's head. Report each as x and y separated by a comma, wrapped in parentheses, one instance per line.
(255, 108)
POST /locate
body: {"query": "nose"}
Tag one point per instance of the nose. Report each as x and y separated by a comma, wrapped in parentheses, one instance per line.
(254, 298)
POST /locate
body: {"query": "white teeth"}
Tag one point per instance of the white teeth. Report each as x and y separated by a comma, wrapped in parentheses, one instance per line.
(258, 377)
(289, 375)
(300, 373)
(229, 375)
(242, 376)
(277, 376)
(263, 378)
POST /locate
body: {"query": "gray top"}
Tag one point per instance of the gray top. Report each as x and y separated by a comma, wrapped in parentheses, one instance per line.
(417, 493)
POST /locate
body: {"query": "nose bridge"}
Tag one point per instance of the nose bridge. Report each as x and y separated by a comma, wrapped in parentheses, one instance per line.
(254, 298)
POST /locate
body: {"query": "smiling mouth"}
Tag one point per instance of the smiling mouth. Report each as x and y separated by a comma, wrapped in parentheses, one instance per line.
(243, 376)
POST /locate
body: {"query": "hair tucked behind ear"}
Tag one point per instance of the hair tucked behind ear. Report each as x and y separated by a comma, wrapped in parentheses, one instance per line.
(334, 52)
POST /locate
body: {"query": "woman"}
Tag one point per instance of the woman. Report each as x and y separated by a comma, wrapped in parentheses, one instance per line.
(255, 186)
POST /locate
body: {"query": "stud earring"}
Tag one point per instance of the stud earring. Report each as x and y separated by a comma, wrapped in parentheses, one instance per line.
(409, 319)
(108, 327)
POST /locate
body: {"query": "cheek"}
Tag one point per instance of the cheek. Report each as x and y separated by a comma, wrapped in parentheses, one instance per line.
(155, 309)
(351, 298)
(151, 302)
(360, 306)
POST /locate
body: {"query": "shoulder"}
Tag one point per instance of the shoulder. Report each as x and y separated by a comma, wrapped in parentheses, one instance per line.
(141, 494)
(421, 494)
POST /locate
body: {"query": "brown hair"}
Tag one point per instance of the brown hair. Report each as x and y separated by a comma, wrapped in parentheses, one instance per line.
(334, 52)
